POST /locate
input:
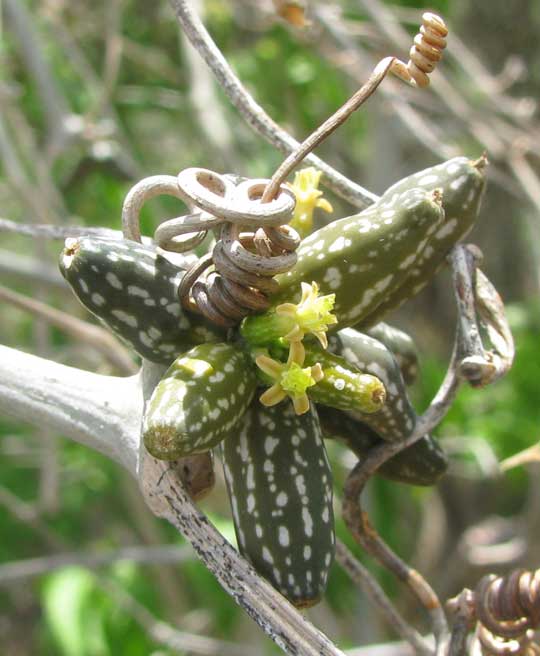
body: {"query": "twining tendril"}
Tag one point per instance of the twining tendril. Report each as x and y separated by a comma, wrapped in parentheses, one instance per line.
(426, 52)
(507, 612)
(424, 55)
(244, 264)
(253, 242)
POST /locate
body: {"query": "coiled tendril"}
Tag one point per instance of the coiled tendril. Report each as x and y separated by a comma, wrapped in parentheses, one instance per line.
(245, 262)
(253, 242)
(426, 52)
(508, 612)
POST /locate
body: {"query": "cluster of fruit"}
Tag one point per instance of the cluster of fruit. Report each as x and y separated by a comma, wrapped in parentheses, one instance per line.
(350, 385)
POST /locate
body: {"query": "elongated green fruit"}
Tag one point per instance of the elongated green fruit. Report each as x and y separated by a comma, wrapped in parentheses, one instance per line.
(462, 182)
(133, 290)
(200, 399)
(397, 417)
(344, 386)
(280, 486)
(363, 258)
(401, 346)
(423, 463)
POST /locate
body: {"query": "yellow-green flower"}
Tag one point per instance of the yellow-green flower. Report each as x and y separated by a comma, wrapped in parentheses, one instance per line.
(292, 321)
(308, 197)
(289, 379)
(313, 315)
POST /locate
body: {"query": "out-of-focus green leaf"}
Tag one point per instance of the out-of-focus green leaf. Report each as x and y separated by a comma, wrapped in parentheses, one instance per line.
(74, 614)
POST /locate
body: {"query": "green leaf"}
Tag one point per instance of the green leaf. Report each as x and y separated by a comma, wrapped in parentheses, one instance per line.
(75, 613)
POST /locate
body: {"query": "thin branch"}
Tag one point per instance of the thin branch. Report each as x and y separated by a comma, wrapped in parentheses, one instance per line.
(522, 459)
(158, 631)
(473, 365)
(56, 231)
(17, 176)
(166, 635)
(30, 269)
(97, 337)
(462, 608)
(253, 113)
(31, 47)
(363, 532)
(477, 297)
(362, 577)
(159, 555)
(112, 60)
(27, 514)
(524, 172)
(207, 109)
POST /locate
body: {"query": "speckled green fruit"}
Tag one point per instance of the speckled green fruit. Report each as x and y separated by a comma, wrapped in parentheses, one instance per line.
(397, 418)
(200, 399)
(363, 258)
(423, 463)
(462, 182)
(133, 290)
(280, 487)
(402, 347)
(375, 260)
(344, 386)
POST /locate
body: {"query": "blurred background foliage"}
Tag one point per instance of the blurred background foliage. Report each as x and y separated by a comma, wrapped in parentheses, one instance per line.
(118, 95)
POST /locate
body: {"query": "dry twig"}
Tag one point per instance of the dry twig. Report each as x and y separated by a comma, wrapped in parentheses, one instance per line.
(254, 115)
(99, 338)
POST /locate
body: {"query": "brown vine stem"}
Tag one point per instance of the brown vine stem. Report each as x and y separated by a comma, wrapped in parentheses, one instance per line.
(477, 298)
(330, 125)
(253, 113)
(473, 364)
(355, 517)
(463, 259)
(462, 608)
(415, 72)
(357, 520)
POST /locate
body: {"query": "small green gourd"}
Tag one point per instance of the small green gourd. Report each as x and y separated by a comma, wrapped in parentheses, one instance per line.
(462, 183)
(344, 387)
(402, 347)
(198, 402)
(280, 488)
(133, 290)
(397, 418)
(363, 258)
